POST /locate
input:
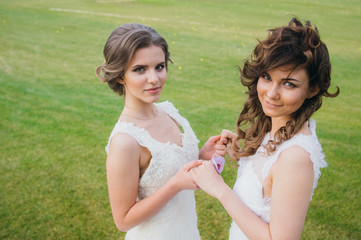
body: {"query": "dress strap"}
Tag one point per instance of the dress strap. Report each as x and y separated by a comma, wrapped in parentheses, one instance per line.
(189, 138)
(310, 144)
(312, 126)
(139, 134)
(169, 108)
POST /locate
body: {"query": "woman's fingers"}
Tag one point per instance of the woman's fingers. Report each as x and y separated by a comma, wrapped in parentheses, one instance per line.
(227, 136)
(192, 164)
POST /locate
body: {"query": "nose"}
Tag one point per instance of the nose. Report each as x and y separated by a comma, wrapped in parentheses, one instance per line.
(274, 91)
(153, 77)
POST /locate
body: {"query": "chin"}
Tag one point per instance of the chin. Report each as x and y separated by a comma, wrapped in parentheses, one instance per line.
(153, 100)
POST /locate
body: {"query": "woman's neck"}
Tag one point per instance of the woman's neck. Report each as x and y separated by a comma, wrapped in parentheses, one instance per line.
(140, 112)
(277, 123)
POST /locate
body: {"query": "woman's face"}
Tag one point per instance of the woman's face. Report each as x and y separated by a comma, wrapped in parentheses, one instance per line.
(145, 76)
(282, 92)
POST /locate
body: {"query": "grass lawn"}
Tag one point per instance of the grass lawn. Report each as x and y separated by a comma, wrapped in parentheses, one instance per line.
(56, 116)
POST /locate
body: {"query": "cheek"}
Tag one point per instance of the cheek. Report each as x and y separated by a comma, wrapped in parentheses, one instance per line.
(261, 88)
(163, 77)
(135, 78)
(296, 100)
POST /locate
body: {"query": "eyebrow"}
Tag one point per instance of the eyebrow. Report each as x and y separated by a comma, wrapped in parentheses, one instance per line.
(161, 63)
(144, 65)
(138, 65)
(290, 79)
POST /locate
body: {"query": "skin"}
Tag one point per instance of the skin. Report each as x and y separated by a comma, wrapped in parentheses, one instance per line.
(282, 92)
(144, 81)
(290, 181)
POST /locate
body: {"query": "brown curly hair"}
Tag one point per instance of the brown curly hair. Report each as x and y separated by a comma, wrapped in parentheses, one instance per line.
(121, 46)
(294, 45)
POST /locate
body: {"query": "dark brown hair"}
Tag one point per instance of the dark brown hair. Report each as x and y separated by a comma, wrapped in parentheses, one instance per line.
(121, 46)
(295, 45)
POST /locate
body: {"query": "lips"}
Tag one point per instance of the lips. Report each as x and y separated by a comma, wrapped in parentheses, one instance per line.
(153, 90)
(272, 105)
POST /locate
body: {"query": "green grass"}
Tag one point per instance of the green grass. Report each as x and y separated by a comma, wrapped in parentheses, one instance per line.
(56, 116)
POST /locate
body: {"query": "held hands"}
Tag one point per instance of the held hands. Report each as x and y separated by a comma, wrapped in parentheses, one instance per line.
(227, 139)
(211, 147)
(219, 145)
(205, 175)
(182, 180)
(207, 178)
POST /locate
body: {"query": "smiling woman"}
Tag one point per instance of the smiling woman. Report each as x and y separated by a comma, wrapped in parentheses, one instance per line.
(280, 159)
(281, 92)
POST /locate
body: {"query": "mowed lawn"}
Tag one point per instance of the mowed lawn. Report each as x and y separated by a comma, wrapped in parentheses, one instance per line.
(56, 116)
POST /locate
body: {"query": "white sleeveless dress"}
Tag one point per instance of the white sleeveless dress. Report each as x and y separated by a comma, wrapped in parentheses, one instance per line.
(254, 169)
(177, 220)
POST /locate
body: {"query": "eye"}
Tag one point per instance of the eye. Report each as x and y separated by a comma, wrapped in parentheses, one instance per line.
(266, 76)
(160, 66)
(289, 84)
(139, 69)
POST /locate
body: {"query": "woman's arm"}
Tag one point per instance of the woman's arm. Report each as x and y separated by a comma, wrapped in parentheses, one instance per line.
(291, 192)
(123, 177)
(212, 183)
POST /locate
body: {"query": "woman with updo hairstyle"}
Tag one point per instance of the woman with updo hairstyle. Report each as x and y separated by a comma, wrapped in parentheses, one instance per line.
(152, 147)
(276, 146)
(120, 48)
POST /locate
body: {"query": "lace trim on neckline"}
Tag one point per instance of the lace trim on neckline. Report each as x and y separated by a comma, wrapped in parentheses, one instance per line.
(311, 125)
(144, 131)
(146, 140)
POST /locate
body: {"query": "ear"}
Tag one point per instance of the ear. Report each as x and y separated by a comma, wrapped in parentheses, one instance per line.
(121, 81)
(313, 91)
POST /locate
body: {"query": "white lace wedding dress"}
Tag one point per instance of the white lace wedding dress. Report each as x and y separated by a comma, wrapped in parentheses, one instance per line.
(177, 220)
(254, 169)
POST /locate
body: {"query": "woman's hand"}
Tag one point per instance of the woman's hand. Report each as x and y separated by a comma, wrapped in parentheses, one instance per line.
(227, 139)
(182, 180)
(211, 147)
(207, 178)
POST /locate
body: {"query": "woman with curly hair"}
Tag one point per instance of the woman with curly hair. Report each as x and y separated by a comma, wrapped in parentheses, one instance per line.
(280, 157)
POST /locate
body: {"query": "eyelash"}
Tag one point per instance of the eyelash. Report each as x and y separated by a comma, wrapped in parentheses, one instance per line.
(268, 78)
(160, 66)
(142, 69)
(139, 69)
(290, 84)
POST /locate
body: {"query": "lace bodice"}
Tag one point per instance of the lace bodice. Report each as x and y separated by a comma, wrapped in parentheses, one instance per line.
(177, 219)
(253, 170)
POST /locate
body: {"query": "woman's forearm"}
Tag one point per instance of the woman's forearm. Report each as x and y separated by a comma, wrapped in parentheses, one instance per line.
(151, 205)
(147, 208)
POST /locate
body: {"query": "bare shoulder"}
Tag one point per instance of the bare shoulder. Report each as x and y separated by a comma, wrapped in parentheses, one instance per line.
(294, 159)
(123, 147)
(293, 175)
(124, 141)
